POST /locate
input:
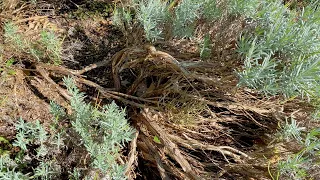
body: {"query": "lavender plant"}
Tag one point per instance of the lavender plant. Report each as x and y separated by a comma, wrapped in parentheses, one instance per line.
(186, 14)
(301, 164)
(103, 132)
(153, 15)
(282, 54)
(48, 46)
(29, 135)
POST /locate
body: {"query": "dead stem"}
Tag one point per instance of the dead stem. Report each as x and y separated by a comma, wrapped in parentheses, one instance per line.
(132, 160)
(155, 153)
(172, 148)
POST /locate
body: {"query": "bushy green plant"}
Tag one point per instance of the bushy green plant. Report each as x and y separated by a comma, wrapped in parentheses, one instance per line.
(211, 10)
(153, 15)
(7, 167)
(52, 46)
(186, 14)
(30, 135)
(291, 131)
(293, 167)
(11, 35)
(47, 47)
(282, 54)
(102, 132)
(286, 31)
(299, 165)
(256, 75)
(246, 8)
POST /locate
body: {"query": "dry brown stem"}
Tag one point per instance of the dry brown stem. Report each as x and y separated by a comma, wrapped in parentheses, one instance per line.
(172, 148)
(132, 157)
(155, 153)
(45, 75)
(196, 145)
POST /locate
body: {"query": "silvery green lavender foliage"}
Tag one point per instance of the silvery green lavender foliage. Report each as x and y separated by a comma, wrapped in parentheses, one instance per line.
(189, 12)
(186, 14)
(152, 14)
(102, 131)
(7, 167)
(48, 46)
(211, 11)
(282, 54)
(28, 135)
(299, 165)
(242, 7)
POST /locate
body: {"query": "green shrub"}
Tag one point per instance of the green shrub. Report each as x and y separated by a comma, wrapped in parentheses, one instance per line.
(282, 54)
(153, 15)
(102, 132)
(52, 46)
(8, 166)
(35, 145)
(47, 47)
(301, 164)
(211, 10)
(246, 8)
(186, 14)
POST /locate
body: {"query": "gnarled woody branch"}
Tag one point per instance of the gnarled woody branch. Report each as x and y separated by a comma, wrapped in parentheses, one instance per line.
(173, 150)
(194, 144)
(153, 151)
(132, 156)
(121, 60)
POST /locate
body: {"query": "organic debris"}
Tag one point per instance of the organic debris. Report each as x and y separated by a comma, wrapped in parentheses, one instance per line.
(192, 121)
